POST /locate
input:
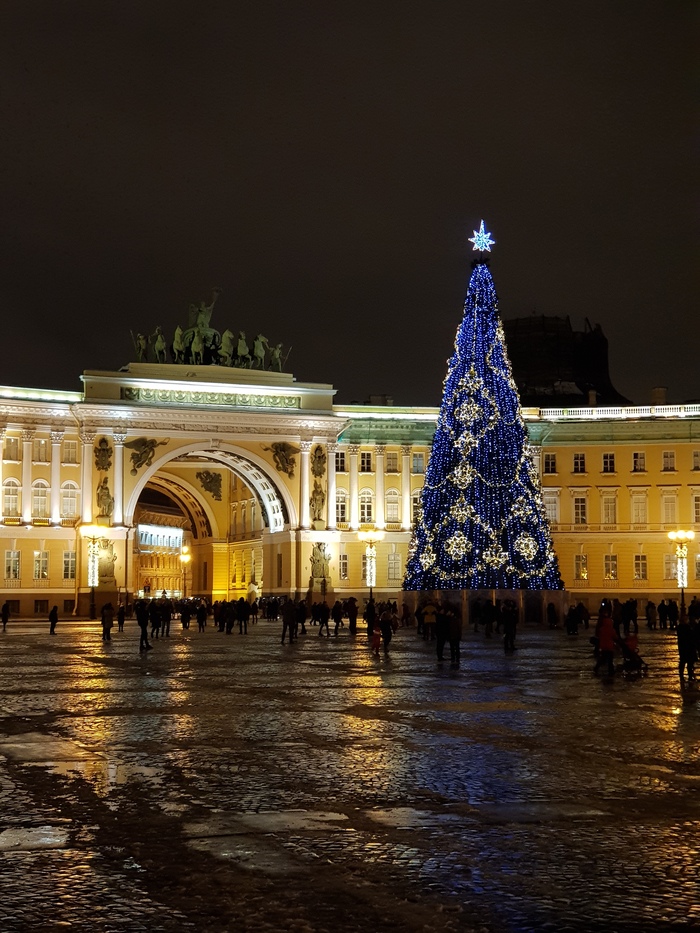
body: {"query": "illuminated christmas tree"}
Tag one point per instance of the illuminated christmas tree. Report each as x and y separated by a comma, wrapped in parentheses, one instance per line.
(482, 523)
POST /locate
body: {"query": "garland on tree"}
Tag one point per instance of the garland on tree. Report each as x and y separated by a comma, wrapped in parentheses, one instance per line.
(481, 522)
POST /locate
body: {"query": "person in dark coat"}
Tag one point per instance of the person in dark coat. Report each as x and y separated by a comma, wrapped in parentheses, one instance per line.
(53, 620)
(5, 615)
(442, 630)
(142, 620)
(455, 634)
(289, 618)
(121, 615)
(687, 649)
(337, 615)
(243, 613)
(201, 617)
(386, 627)
(324, 617)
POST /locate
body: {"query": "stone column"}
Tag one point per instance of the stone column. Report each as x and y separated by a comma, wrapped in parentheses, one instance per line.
(118, 491)
(304, 491)
(353, 453)
(27, 442)
(3, 432)
(406, 509)
(379, 452)
(330, 500)
(56, 439)
(88, 440)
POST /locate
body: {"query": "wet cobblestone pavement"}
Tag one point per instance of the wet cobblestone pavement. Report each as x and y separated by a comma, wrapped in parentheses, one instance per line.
(230, 783)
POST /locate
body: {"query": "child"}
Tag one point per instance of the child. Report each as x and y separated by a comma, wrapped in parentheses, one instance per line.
(376, 637)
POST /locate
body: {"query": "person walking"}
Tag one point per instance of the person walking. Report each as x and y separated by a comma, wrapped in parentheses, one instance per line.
(289, 617)
(607, 639)
(455, 634)
(324, 617)
(142, 621)
(510, 622)
(107, 621)
(442, 630)
(687, 648)
(121, 615)
(386, 627)
(53, 620)
(201, 617)
(166, 614)
(337, 615)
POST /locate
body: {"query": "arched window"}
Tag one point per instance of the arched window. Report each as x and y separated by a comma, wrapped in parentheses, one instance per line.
(10, 498)
(341, 505)
(69, 500)
(392, 505)
(366, 507)
(40, 499)
(415, 507)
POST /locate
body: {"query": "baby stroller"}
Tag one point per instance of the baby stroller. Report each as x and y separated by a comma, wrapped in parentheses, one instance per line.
(632, 663)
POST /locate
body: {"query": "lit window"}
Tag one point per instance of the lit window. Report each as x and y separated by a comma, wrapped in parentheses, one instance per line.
(610, 567)
(41, 450)
(668, 509)
(550, 464)
(669, 566)
(551, 507)
(343, 566)
(579, 463)
(10, 504)
(668, 461)
(415, 507)
(639, 462)
(609, 510)
(639, 509)
(366, 509)
(41, 565)
(608, 463)
(69, 565)
(12, 448)
(581, 566)
(12, 565)
(640, 567)
(392, 505)
(70, 452)
(69, 501)
(40, 501)
(394, 569)
(580, 510)
(341, 505)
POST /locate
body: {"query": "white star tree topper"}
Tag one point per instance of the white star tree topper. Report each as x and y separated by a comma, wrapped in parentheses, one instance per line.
(482, 239)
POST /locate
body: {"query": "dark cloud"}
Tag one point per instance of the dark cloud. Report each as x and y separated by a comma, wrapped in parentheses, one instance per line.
(325, 164)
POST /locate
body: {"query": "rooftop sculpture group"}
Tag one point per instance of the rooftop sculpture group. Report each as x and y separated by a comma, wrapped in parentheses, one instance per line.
(202, 345)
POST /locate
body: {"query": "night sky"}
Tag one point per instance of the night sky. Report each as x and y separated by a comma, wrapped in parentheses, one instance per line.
(325, 163)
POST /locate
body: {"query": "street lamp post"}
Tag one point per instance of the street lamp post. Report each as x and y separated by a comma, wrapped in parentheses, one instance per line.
(185, 558)
(371, 539)
(92, 534)
(681, 538)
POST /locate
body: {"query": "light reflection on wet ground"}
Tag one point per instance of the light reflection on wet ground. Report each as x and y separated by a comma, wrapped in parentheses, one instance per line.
(523, 790)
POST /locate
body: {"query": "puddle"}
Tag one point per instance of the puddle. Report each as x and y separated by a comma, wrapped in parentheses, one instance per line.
(35, 747)
(254, 852)
(408, 818)
(271, 821)
(36, 837)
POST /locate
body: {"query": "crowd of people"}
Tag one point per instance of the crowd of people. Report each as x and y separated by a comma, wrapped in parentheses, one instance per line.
(434, 620)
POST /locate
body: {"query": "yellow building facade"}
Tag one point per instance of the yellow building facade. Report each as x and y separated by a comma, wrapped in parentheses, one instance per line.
(266, 484)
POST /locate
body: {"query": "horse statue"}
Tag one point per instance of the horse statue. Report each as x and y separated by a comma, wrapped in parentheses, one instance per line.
(226, 349)
(197, 348)
(259, 346)
(243, 357)
(159, 345)
(276, 358)
(177, 351)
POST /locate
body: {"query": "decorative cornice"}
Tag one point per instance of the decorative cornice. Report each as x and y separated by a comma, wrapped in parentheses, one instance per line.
(183, 397)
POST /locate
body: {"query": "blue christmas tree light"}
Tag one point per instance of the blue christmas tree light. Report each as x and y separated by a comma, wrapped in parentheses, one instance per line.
(482, 523)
